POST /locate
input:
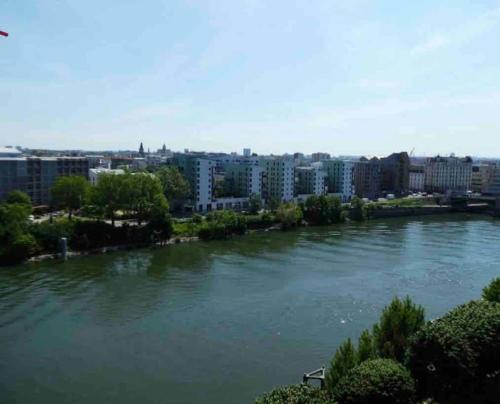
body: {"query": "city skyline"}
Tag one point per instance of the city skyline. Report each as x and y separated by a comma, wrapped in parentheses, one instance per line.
(352, 78)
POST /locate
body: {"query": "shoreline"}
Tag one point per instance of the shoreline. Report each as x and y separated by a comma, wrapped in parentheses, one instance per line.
(385, 213)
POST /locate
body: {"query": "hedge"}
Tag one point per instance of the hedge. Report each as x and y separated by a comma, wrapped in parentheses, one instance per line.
(295, 394)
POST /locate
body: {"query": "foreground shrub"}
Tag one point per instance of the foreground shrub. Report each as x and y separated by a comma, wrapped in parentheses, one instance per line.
(456, 359)
(492, 291)
(398, 323)
(377, 381)
(222, 224)
(343, 361)
(295, 394)
(48, 234)
(288, 215)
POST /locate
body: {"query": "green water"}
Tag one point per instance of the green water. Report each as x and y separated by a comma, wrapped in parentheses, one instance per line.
(221, 322)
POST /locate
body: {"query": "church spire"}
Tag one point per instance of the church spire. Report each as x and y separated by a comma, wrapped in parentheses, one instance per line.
(141, 150)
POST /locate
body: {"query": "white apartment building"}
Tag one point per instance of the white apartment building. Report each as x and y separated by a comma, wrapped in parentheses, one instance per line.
(310, 180)
(444, 174)
(417, 178)
(95, 173)
(279, 178)
(339, 177)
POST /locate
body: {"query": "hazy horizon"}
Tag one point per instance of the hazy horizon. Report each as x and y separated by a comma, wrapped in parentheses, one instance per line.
(345, 77)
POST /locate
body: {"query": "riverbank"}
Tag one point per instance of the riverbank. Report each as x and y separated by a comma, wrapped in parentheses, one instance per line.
(375, 214)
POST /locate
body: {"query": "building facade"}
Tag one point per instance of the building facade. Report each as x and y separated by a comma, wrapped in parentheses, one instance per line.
(443, 174)
(340, 178)
(368, 178)
(37, 175)
(310, 180)
(278, 179)
(395, 174)
(417, 178)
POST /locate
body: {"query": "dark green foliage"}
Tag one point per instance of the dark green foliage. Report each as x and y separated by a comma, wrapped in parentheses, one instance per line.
(345, 359)
(109, 195)
(255, 204)
(174, 185)
(358, 210)
(366, 348)
(222, 224)
(261, 221)
(295, 394)
(16, 244)
(322, 210)
(70, 192)
(197, 218)
(456, 359)
(18, 197)
(398, 323)
(160, 222)
(288, 215)
(492, 291)
(48, 234)
(377, 381)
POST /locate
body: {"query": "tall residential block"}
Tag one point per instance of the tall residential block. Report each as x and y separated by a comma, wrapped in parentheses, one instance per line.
(310, 180)
(417, 178)
(368, 178)
(395, 172)
(444, 174)
(279, 178)
(339, 177)
(37, 175)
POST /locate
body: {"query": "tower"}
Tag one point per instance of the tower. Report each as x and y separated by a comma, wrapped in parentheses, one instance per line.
(141, 150)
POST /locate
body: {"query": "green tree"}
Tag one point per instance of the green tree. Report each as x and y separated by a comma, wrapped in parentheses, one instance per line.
(456, 358)
(345, 359)
(400, 320)
(492, 291)
(159, 218)
(70, 192)
(19, 197)
(378, 381)
(366, 349)
(16, 243)
(358, 209)
(295, 394)
(255, 204)
(108, 195)
(289, 215)
(322, 210)
(175, 186)
(139, 191)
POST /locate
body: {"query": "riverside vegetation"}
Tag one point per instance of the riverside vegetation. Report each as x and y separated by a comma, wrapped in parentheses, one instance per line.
(405, 359)
(143, 203)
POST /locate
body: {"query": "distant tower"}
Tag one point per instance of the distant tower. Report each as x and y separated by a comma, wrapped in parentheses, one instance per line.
(141, 150)
(164, 149)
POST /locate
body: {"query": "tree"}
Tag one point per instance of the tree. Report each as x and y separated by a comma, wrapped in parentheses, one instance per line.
(345, 359)
(108, 195)
(70, 192)
(295, 394)
(255, 204)
(159, 218)
(492, 291)
(456, 358)
(398, 323)
(19, 197)
(377, 381)
(366, 349)
(16, 243)
(358, 209)
(289, 215)
(175, 186)
(139, 191)
(321, 210)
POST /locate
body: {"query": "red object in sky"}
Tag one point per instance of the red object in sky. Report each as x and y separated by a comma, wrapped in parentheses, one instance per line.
(4, 33)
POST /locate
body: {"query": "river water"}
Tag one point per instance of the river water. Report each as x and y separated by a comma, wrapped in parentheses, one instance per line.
(221, 322)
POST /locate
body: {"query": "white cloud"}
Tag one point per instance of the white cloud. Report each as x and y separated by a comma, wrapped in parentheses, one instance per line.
(436, 42)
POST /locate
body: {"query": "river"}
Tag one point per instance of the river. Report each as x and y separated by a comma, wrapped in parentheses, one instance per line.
(222, 322)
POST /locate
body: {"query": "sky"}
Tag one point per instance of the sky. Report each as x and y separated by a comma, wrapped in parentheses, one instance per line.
(345, 77)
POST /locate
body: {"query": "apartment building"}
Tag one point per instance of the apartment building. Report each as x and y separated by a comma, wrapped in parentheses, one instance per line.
(416, 178)
(310, 180)
(368, 178)
(242, 180)
(443, 174)
(395, 174)
(278, 178)
(315, 157)
(37, 175)
(481, 177)
(339, 177)
(493, 187)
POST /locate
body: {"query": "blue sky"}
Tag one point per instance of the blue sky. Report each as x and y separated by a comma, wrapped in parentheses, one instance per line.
(346, 77)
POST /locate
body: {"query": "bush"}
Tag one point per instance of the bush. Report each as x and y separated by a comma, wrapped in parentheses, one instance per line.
(289, 215)
(398, 323)
(19, 197)
(343, 361)
(19, 249)
(456, 359)
(47, 234)
(295, 394)
(222, 224)
(377, 381)
(261, 221)
(492, 291)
